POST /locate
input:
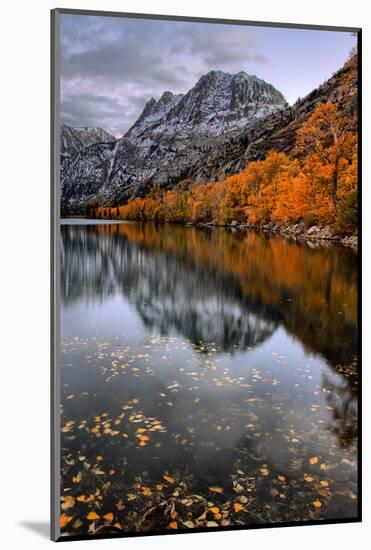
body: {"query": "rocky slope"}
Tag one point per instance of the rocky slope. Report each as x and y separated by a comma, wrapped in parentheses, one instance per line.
(174, 127)
(76, 139)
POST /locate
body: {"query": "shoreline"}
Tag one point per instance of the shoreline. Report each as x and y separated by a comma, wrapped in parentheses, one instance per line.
(288, 231)
(299, 232)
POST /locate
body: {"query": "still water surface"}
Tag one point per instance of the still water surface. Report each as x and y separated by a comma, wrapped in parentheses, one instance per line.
(225, 361)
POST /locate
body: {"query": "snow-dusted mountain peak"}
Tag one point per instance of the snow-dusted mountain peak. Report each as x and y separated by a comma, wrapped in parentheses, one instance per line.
(168, 135)
(153, 112)
(217, 103)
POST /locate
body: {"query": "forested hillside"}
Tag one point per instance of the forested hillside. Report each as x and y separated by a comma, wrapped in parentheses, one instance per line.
(315, 183)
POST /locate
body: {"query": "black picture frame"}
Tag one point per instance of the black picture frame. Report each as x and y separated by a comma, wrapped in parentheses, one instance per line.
(55, 266)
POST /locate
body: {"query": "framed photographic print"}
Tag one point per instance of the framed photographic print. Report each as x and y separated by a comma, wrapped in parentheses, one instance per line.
(205, 274)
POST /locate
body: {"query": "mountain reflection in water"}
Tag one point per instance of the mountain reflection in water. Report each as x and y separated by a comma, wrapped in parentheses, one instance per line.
(244, 334)
(213, 285)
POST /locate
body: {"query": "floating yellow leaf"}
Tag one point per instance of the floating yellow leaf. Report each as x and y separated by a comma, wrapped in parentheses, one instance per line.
(308, 478)
(108, 517)
(324, 483)
(264, 471)
(189, 524)
(216, 490)
(120, 505)
(77, 524)
(140, 430)
(144, 438)
(214, 510)
(238, 507)
(67, 428)
(77, 479)
(174, 514)
(281, 478)
(69, 502)
(81, 498)
(169, 479)
(173, 525)
(317, 503)
(118, 525)
(92, 515)
(99, 458)
(313, 460)
(96, 418)
(64, 520)
(159, 486)
(146, 491)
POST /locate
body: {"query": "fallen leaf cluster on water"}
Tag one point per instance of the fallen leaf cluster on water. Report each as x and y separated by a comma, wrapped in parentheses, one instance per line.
(104, 444)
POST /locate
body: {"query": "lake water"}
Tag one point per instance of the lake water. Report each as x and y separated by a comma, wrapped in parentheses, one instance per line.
(214, 368)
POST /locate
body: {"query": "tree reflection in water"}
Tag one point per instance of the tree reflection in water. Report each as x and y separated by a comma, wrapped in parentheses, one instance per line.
(231, 296)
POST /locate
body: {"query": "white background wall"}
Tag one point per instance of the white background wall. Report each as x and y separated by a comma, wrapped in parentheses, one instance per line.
(24, 305)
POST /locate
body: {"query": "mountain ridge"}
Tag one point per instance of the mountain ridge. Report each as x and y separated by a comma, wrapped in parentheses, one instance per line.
(213, 130)
(74, 139)
(218, 104)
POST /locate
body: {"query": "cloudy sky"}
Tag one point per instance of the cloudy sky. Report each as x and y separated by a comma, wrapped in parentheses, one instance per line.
(110, 67)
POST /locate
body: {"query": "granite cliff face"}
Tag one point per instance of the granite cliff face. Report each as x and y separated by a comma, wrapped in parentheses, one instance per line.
(214, 130)
(174, 127)
(218, 103)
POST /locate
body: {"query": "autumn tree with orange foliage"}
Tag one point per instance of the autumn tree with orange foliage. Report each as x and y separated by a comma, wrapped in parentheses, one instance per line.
(264, 180)
(319, 186)
(330, 139)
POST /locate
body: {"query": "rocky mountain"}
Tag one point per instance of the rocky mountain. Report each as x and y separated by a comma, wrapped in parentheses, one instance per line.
(277, 131)
(214, 130)
(218, 103)
(174, 126)
(76, 139)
